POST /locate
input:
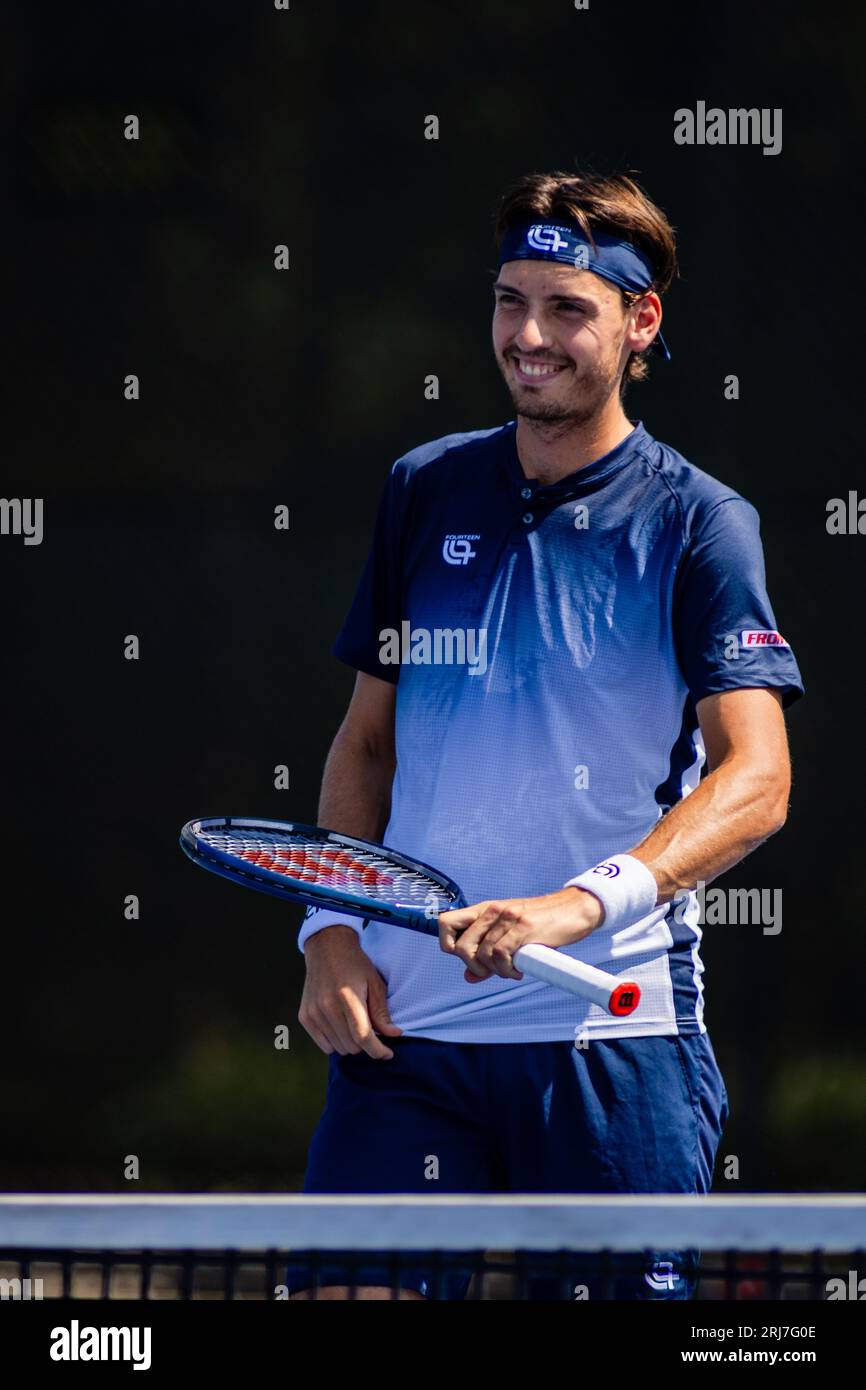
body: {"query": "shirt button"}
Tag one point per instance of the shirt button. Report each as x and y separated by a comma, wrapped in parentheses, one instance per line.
(528, 518)
(526, 493)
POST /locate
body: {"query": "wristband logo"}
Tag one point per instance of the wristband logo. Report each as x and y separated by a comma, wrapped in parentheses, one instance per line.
(606, 869)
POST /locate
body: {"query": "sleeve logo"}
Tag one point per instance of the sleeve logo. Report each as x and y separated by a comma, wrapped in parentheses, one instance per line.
(762, 637)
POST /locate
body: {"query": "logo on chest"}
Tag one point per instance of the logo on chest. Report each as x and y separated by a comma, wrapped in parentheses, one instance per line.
(457, 550)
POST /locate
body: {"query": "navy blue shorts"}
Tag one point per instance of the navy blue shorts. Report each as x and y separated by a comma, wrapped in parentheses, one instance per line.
(623, 1115)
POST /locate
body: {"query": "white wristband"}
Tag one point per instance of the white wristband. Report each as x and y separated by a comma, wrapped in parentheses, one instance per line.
(623, 885)
(318, 918)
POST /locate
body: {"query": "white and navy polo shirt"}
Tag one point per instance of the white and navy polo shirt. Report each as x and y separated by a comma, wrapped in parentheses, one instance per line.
(549, 646)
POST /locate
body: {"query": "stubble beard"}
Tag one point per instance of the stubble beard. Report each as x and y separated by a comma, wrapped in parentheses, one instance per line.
(588, 394)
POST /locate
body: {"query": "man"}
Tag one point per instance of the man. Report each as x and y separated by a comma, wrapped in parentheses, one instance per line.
(608, 633)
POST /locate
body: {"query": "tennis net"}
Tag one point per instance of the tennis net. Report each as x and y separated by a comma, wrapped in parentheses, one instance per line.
(231, 1246)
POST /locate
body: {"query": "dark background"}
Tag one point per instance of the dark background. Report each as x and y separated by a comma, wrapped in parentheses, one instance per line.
(155, 1037)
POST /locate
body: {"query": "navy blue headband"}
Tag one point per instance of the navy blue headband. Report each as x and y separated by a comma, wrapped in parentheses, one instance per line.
(615, 260)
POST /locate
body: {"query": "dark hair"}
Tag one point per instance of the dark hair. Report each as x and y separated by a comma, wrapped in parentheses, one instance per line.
(607, 203)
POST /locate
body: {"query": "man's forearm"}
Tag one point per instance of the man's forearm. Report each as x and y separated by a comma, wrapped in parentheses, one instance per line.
(728, 815)
(356, 788)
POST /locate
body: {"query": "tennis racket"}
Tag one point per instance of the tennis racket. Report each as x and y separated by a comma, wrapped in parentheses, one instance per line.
(323, 869)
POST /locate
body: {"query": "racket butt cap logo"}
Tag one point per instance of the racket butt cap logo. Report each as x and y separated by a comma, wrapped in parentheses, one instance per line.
(624, 999)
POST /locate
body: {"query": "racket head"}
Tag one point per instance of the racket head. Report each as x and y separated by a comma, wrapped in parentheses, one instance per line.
(322, 868)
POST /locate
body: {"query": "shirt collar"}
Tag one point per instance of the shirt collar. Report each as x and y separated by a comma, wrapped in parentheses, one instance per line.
(582, 479)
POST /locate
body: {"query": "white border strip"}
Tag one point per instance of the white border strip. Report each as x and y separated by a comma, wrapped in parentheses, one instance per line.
(548, 1222)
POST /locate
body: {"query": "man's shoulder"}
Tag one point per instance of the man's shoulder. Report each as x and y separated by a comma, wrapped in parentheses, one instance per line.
(695, 491)
(451, 449)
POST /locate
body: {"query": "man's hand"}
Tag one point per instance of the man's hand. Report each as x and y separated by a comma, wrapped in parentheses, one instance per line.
(486, 935)
(344, 1006)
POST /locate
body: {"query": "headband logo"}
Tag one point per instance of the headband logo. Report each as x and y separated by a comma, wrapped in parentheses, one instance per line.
(549, 242)
(546, 239)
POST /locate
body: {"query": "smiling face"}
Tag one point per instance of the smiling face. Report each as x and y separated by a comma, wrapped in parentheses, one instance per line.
(562, 338)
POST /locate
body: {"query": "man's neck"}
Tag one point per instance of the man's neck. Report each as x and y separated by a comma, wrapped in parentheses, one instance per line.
(550, 453)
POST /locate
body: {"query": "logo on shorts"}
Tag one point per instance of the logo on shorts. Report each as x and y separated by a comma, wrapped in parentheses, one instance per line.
(661, 1277)
(457, 550)
(763, 637)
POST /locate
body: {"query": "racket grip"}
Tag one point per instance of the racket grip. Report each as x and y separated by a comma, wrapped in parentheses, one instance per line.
(617, 996)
